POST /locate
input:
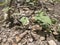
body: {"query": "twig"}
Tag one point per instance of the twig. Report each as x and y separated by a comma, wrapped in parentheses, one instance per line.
(10, 4)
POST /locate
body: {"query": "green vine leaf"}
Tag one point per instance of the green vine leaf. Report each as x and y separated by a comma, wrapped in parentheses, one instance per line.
(24, 20)
(43, 18)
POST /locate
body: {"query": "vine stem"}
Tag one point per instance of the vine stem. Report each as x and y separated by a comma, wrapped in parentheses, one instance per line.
(10, 4)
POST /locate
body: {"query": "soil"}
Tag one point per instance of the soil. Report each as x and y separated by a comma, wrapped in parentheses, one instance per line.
(14, 33)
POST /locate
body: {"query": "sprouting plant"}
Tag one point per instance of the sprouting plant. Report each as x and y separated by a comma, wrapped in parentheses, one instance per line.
(24, 20)
(41, 17)
(44, 20)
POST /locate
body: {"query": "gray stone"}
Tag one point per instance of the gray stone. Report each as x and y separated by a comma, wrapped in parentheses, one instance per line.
(30, 40)
(31, 44)
(19, 44)
(5, 43)
(42, 38)
(52, 42)
(17, 38)
(4, 40)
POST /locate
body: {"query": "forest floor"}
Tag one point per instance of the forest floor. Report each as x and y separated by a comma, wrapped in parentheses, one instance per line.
(14, 33)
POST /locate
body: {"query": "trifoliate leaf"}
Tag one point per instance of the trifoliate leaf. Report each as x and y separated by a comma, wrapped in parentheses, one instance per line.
(24, 20)
(41, 17)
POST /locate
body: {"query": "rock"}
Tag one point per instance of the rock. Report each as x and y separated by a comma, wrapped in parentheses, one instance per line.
(0, 31)
(31, 44)
(4, 40)
(23, 34)
(35, 36)
(52, 42)
(19, 44)
(59, 24)
(55, 33)
(30, 40)
(0, 39)
(50, 9)
(5, 43)
(39, 42)
(36, 27)
(45, 42)
(5, 16)
(10, 43)
(10, 40)
(17, 38)
(8, 30)
(32, 18)
(13, 43)
(42, 38)
(16, 32)
(7, 25)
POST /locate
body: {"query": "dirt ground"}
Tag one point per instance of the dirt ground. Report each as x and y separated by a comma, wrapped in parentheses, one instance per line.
(14, 33)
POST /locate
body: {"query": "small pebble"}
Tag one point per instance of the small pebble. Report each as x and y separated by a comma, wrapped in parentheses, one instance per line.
(0, 39)
(13, 43)
(31, 44)
(17, 38)
(30, 39)
(36, 27)
(52, 42)
(19, 44)
(55, 33)
(42, 38)
(5, 43)
(4, 40)
(59, 24)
